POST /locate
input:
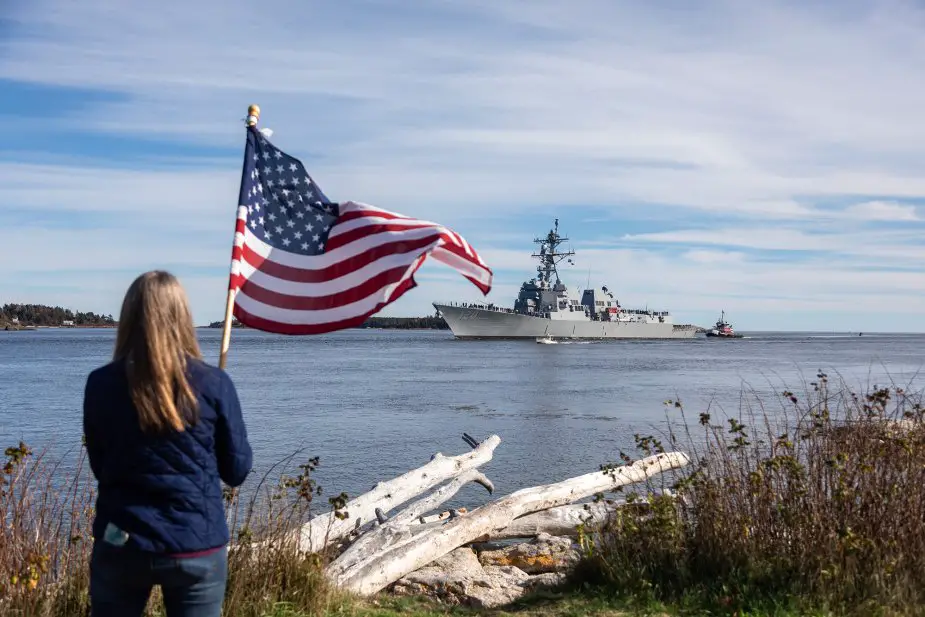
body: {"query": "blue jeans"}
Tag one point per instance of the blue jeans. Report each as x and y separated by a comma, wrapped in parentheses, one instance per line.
(121, 581)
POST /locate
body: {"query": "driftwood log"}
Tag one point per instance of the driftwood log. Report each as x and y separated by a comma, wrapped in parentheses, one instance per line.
(323, 530)
(385, 547)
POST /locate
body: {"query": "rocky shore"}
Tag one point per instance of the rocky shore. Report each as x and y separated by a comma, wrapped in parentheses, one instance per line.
(489, 575)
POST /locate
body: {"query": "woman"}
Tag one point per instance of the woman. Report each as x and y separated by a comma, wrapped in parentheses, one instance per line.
(162, 428)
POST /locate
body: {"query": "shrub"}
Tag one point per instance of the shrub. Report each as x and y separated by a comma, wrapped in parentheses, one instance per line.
(823, 504)
(45, 542)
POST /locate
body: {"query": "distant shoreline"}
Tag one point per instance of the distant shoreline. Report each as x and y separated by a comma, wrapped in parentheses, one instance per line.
(23, 328)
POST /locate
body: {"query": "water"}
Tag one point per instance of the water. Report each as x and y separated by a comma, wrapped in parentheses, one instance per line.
(374, 404)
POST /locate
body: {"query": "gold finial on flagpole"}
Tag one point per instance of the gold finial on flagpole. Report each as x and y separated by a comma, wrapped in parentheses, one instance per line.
(253, 115)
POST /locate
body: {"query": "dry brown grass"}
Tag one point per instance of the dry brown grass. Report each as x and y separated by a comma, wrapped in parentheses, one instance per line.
(822, 505)
(46, 541)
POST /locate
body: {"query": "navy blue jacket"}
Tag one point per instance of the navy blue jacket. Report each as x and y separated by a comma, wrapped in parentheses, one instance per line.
(164, 490)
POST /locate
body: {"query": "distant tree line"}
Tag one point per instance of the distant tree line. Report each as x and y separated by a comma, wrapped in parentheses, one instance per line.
(407, 323)
(393, 323)
(41, 315)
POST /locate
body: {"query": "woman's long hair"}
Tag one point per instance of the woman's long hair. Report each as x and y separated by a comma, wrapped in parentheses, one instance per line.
(156, 339)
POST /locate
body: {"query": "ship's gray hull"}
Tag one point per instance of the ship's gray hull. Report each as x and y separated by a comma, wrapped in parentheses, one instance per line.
(481, 323)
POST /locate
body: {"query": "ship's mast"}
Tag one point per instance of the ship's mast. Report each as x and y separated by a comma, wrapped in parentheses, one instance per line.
(549, 256)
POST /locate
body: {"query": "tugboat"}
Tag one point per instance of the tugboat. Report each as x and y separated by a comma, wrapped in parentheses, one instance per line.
(722, 329)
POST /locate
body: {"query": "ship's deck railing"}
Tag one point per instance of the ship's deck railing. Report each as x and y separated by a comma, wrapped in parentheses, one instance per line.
(484, 307)
(501, 309)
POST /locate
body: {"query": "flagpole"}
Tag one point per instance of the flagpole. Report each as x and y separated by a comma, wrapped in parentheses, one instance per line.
(253, 115)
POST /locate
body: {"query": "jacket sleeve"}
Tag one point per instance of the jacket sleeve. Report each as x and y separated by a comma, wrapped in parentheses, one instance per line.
(232, 448)
(92, 439)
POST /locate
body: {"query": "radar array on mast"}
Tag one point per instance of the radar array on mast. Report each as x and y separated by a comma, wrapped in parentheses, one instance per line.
(549, 256)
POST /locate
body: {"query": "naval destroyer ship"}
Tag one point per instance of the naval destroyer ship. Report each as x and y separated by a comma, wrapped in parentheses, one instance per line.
(544, 309)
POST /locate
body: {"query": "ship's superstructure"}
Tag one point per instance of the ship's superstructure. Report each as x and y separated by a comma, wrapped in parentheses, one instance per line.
(545, 308)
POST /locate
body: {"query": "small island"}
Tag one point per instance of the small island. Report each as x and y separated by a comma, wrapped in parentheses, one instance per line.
(431, 322)
(32, 316)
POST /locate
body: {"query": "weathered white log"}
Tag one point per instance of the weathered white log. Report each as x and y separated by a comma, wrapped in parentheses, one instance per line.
(561, 520)
(558, 521)
(324, 529)
(364, 576)
(440, 496)
(396, 529)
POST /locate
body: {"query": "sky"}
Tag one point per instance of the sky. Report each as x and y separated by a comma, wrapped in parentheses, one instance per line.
(762, 158)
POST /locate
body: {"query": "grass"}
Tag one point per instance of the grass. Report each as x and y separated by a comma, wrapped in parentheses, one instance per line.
(814, 509)
(46, 541)
(819, 508)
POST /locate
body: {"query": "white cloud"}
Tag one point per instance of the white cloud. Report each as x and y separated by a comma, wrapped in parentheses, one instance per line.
(702, 256)
(797, 127)
(883, 211)
(184, 196)
(888, 246)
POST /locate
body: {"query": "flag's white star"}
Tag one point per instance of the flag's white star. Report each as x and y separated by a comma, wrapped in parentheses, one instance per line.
(278, 154)
(319, 217)
(267, 234)
(271, 216)
(309, 227)
(250, 209)
(285, 192)
(316, 237)
(291, 223)
(295, 180)
(305, 246)
(253, 224)
(261, 220)
(279, 169)
(285, 241)
(300, 214)
(270, 183)
(266, 155)
(293, 166)
(279, 229)
(298, 235)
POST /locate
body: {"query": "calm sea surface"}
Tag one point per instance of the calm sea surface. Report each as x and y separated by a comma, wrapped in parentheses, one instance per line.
(374, 404)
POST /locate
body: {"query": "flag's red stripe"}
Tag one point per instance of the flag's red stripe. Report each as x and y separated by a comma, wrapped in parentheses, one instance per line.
(341, 268)
(335, 242)
(460, 251)
(240, 227)
(482, 286)
(369, 287)
(269, 325)
(358, 214)
(474, 259)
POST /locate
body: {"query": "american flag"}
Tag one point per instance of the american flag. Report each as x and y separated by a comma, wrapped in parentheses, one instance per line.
(302, 264)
